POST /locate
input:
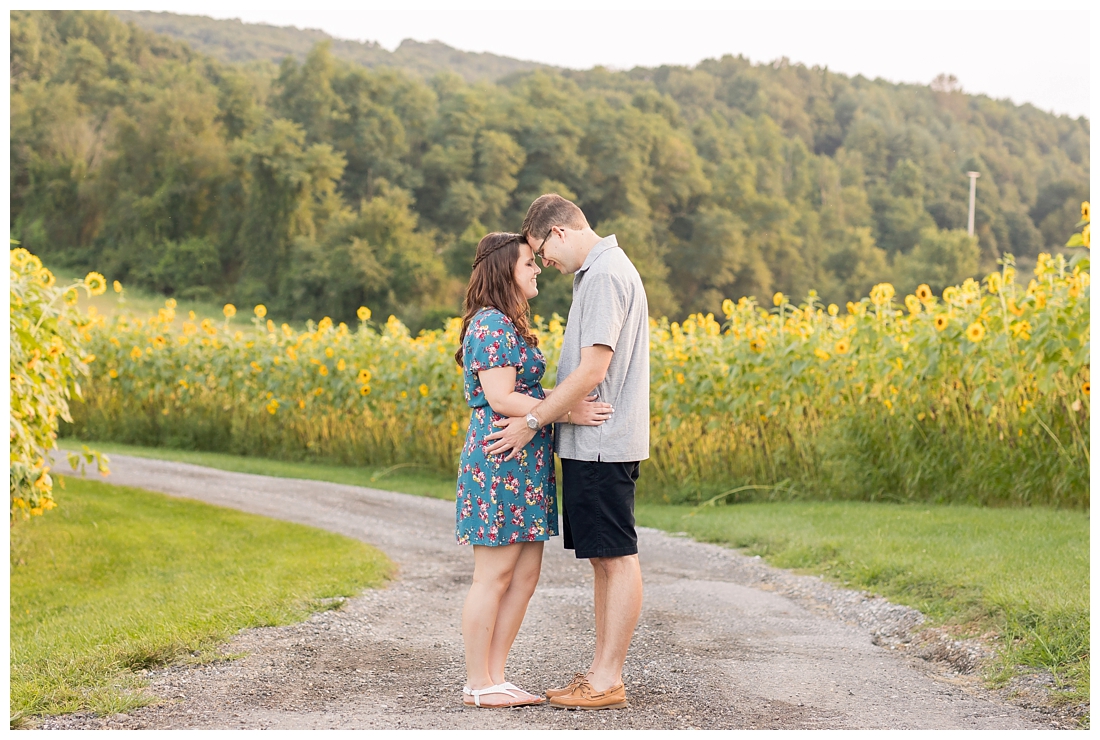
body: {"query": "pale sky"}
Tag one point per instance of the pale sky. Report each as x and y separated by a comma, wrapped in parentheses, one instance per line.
(1035, 54)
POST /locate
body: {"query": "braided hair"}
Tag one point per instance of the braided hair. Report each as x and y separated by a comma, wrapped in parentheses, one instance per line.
(493, 285)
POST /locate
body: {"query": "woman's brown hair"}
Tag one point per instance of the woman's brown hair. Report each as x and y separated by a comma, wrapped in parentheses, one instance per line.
(493, 285)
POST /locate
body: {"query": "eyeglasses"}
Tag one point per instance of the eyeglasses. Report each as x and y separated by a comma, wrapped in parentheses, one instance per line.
(538, 252)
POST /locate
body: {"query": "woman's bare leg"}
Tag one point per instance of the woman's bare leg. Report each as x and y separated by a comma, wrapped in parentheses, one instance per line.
(513, 606)
(493, 569)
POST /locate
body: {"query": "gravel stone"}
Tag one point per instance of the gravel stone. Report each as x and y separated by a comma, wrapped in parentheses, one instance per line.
(725, 641)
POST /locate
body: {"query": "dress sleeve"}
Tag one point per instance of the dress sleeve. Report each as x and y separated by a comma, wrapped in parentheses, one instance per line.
(491, 341)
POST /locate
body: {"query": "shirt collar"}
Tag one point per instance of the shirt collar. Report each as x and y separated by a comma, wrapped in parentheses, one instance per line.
(599, 248)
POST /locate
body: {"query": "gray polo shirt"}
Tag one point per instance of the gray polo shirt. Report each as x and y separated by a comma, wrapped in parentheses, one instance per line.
(609, 307)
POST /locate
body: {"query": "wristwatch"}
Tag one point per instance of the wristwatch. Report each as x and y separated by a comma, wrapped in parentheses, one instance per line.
(532, 422)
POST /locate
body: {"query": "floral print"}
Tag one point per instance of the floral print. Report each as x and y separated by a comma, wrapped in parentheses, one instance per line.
(498, 502)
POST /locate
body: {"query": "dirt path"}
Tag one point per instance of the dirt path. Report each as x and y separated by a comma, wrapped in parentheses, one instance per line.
(725, 641)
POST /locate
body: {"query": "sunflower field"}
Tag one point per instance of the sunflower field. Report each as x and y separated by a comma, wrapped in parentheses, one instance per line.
(979, 395)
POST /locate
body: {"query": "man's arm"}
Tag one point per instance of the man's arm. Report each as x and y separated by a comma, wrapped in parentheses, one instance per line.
(515, 434)
(577, 385)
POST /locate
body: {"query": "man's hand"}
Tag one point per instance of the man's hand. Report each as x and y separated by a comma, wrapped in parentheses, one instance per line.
(511, 439)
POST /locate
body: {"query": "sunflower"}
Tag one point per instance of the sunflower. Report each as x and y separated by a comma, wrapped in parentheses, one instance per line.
(97, 284)
(364, 315)
(135, 354)
(364, 376)
(913, 304)
(1085, 211)
(260, 311)
(117, 286)
(1085, 386)
(46, 278)
(272, 407)
(71, 297)
(229, 310)
(271, 326)
(993, 281)
(778, 298)
(882, 293)
(975, 332)
(924, 293)
(757, 345)
(940, 322)
(423, 389)
(833, 310)
(727, 307)
(364, 390)
(950, 293)
(842, 347)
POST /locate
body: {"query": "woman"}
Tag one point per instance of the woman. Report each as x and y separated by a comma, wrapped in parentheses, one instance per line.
(505, 509)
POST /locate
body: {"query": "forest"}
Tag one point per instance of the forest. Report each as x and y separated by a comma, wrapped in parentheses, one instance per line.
(318, 185)
(234, 41)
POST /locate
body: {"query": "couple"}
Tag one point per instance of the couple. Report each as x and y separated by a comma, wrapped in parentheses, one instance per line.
(506, 499)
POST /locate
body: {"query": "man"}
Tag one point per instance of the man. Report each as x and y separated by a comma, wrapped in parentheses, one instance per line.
(605, 349)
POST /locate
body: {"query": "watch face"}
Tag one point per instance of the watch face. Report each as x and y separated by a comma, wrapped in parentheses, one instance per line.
(532, 422)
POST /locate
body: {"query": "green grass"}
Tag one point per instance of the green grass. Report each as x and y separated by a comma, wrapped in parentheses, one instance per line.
(143, 303)
(418, 481)
(118, 579)
(1023, 573)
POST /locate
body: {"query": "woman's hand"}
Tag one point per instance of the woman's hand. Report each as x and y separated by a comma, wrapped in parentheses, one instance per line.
(591, 412)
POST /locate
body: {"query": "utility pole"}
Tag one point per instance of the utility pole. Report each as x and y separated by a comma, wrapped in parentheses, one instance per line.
(973, 187)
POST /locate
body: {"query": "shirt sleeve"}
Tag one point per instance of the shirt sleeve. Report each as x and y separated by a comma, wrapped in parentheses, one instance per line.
(491, 341)
(603, 311)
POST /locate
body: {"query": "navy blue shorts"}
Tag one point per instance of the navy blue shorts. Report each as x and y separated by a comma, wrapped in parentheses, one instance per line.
(598, 508)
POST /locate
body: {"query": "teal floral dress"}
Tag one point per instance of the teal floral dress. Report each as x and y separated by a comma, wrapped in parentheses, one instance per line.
(498, 502)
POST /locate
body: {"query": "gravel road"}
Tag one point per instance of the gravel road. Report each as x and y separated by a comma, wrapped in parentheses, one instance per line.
(725, 641)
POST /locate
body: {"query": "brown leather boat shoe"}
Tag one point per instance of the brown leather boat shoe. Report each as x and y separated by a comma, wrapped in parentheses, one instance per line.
(567, 689)
(586, 697)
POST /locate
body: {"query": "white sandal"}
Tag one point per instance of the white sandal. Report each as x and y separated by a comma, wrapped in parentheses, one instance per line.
(502, 688)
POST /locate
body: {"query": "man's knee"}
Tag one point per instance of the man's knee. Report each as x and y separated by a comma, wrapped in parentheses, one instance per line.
(615, 565)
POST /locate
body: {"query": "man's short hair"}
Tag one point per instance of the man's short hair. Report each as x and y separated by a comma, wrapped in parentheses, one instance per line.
(548, 211)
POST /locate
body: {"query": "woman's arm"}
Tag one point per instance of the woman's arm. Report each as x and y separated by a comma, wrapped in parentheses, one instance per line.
(499, 385)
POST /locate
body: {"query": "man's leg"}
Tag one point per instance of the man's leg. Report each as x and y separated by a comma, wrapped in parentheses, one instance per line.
(599, 590)
(619, 612)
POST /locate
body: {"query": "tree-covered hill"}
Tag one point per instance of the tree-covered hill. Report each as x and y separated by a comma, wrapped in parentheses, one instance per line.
(320, 185)
(234, 41)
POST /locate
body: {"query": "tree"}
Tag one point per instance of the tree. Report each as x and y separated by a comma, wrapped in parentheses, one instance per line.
(940, 258)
